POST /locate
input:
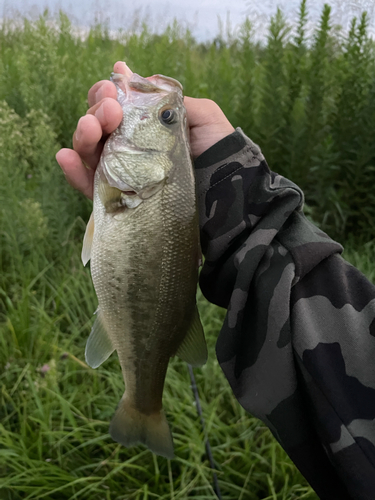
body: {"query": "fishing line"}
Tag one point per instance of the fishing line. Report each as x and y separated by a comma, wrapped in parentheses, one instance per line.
(207, 442)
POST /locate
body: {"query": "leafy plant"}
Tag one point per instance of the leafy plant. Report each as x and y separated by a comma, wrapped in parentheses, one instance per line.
(309, 101)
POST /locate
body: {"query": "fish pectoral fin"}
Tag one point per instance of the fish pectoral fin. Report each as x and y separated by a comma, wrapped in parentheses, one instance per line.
(193, 349)
(99, 346)
(87, 240)
(110, 197)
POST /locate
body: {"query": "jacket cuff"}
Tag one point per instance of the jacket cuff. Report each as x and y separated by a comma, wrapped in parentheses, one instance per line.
(230, 145)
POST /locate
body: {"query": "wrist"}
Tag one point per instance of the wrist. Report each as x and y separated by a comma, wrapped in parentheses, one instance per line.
(221, 149)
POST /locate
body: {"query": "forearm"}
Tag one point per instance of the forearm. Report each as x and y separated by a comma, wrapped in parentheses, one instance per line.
(243, 208)
(261, 253)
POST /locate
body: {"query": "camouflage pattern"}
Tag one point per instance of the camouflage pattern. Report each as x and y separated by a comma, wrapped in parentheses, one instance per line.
(298, 342)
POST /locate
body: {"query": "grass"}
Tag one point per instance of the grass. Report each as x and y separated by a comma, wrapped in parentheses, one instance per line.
(54, 410)
(54, 425)
(54, 440)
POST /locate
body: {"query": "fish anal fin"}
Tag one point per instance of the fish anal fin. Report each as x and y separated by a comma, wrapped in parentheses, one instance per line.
(99, 346)
(130, 427)
(193, 349)
(87, 240)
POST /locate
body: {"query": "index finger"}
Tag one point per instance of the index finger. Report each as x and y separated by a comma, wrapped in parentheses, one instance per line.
(105, 88)
(100, 90)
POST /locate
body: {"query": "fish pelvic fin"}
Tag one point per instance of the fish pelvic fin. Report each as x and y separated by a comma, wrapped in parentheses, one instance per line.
(193, 348)
(130, 427)
(99, 346)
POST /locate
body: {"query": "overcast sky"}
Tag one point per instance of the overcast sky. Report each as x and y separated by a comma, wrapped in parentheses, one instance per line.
(200, 15)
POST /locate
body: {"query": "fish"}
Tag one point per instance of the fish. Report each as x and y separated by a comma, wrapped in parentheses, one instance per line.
(143, 242)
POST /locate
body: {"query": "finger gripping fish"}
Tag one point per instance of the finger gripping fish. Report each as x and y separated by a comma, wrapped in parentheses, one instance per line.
(143, 242)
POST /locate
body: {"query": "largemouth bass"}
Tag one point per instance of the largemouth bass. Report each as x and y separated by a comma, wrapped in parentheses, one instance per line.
(143, 241)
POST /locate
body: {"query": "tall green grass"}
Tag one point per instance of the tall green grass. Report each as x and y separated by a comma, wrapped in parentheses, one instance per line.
(308, 101)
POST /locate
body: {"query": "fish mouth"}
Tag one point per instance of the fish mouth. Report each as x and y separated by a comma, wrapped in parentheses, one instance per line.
(129, 191)
(132, 199)
(131, 149)
(115, 181)
(155, 83)
(143, 193)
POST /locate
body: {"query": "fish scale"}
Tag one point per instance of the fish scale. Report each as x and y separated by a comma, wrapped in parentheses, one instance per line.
(143, 241)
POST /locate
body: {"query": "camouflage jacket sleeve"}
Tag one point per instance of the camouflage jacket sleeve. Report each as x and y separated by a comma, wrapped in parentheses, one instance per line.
(298, 342)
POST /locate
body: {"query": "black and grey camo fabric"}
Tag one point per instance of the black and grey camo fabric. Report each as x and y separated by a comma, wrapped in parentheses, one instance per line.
(298, 342)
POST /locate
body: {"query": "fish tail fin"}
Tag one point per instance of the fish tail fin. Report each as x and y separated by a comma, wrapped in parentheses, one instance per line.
(130, 427)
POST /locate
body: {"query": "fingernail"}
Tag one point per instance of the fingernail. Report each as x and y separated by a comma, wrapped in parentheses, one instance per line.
(99, 113)
(77, 134)
(99, 95)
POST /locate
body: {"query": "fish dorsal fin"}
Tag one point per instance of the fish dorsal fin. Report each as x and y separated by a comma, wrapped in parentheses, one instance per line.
(87, 240)
(99, 346)
(193, 349)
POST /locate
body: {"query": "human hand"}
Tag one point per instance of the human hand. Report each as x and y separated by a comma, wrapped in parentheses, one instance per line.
(207, 124)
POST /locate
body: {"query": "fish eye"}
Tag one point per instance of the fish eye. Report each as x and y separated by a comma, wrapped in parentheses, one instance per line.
(168, 116)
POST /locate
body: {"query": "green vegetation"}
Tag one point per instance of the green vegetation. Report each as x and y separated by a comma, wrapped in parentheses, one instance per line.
(309, 101)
